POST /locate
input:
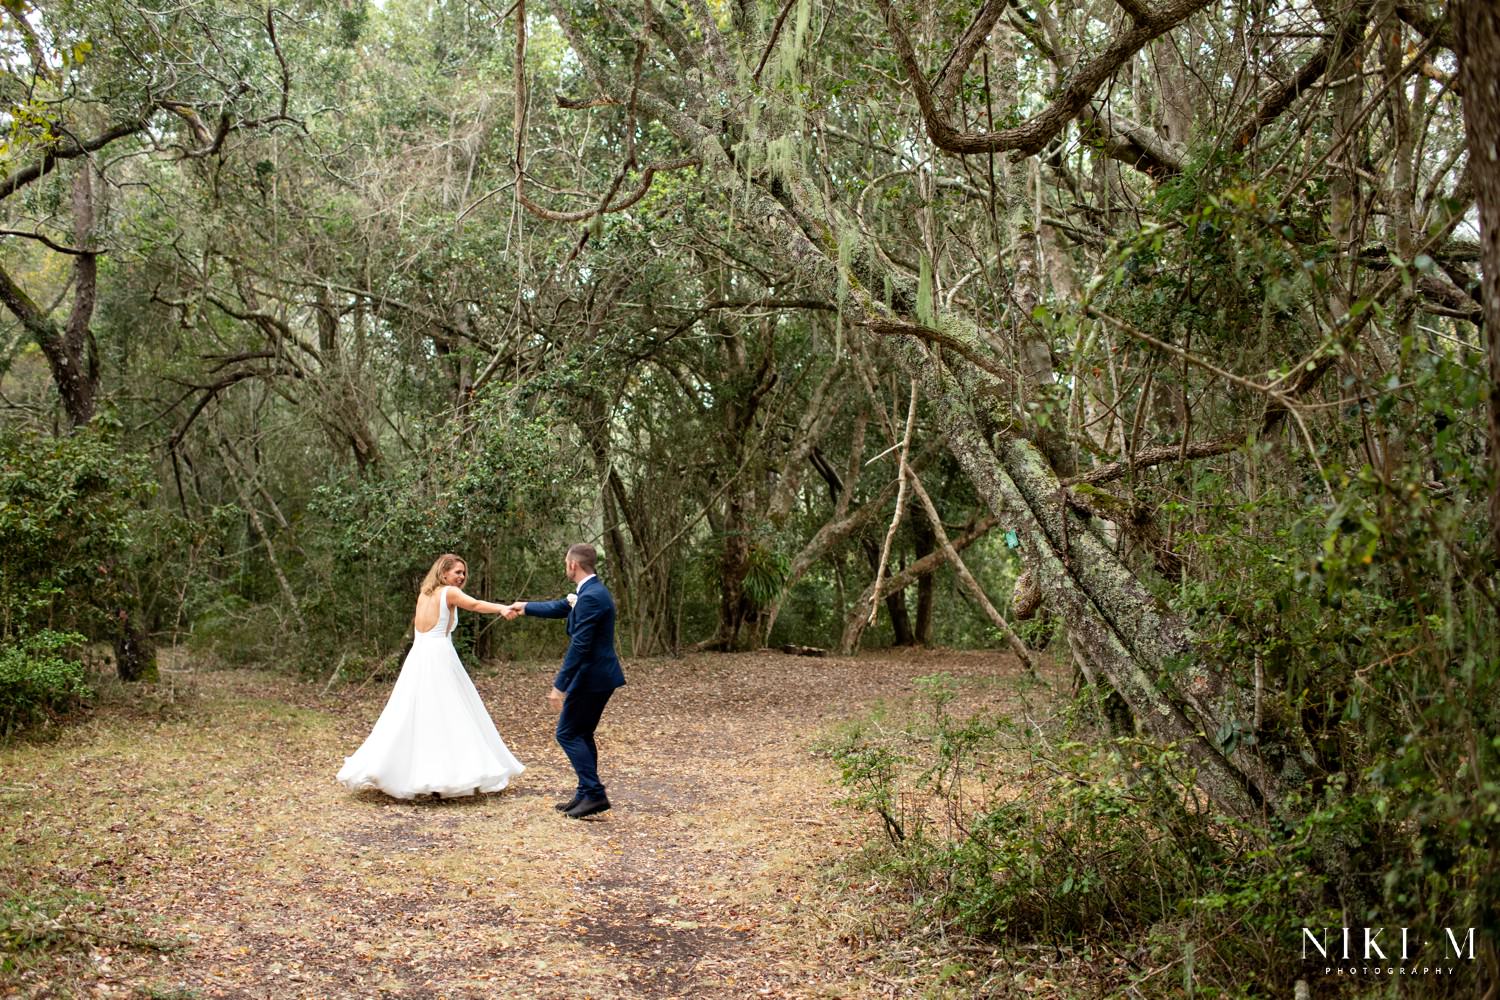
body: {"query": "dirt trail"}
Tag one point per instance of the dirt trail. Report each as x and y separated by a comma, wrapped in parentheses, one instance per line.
(216, 822)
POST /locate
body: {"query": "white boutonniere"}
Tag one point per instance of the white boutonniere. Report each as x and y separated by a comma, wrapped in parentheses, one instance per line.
(572, 600)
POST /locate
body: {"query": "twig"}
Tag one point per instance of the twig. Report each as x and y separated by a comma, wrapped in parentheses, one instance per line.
(902, 470)
(771, 42)
(967, 578)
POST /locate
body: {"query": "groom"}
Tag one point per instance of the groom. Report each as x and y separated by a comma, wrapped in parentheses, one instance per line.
(589, 675)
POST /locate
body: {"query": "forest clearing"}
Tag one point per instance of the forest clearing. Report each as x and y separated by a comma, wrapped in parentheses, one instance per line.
(200, 846)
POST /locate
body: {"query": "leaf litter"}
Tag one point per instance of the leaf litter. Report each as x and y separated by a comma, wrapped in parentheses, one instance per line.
(206, 851)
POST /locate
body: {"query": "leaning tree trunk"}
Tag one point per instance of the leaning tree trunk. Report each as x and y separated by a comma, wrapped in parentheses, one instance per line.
(69, 350)
(1143, 652)
(858, 617)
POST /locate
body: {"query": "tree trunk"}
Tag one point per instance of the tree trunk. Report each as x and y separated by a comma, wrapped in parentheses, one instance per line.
(737, 612)
(642, 575)
(737, 413)
(1143, 650)
(857, 617)
(895, 600)
(1477, 24)
(1120, 624)
(924, 543)
(901, 633)
(135, 652)
(966, 578)
(69, 351)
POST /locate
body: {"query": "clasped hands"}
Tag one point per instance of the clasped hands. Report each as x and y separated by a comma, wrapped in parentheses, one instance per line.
(511, 612)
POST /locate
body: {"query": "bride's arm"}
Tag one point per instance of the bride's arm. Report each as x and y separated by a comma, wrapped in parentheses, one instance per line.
(458, 599)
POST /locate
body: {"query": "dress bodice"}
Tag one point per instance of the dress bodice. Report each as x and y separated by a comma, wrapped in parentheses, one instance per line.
(447, 618)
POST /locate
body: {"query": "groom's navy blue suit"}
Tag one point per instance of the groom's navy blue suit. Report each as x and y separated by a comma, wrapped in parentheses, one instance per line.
(589, 675)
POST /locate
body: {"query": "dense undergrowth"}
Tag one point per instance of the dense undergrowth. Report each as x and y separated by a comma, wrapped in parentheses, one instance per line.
(1004, 841)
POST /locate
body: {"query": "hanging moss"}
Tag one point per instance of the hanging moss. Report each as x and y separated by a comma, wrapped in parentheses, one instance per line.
(847, 240)
(784, 157)
(926, 307)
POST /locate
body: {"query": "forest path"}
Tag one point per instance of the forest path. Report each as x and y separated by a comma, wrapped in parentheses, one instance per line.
(214, 821)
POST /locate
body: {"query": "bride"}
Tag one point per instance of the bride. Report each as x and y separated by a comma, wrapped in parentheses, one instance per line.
(434, 735)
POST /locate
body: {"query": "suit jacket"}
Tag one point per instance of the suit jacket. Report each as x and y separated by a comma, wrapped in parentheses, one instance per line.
(590, 663)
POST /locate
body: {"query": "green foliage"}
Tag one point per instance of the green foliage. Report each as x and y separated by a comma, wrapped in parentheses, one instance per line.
(1339, 565)
(41, 677)
(766, 574)
(71, 525)
(1388, 676)
(497, 493)
(1000, 836)
(762, 570)
(484, 484)
(869, 771)
(29, 926)
(78, 543)
(49, 919)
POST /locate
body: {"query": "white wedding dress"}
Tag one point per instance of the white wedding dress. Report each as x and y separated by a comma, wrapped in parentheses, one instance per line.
(434, 734)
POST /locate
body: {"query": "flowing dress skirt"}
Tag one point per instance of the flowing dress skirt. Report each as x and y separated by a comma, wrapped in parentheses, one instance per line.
(434, 734)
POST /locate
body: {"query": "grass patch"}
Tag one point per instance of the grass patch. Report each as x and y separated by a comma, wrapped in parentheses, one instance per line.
(50, 922)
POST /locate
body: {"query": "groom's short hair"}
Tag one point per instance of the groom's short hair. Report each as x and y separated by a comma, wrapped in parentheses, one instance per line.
(584, 556)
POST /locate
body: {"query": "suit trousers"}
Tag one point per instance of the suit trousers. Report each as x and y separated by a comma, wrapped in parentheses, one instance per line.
(575, 734)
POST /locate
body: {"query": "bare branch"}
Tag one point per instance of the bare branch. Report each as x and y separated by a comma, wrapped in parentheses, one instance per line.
(1133, 144)
(1032, 135)
(951, 76)
(894, 327)
(583, 103)
(1281, 97)
(72, 149)
(966, 578)
(786, 9)
(648, 175)
(45, 240)
(1438, 28)
(890, 534)
(1160, 455)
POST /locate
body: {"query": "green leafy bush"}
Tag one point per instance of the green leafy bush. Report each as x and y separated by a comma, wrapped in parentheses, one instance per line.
(40, 676)
(69, 524)
(81, 548)
(995, 834)
(495, 494)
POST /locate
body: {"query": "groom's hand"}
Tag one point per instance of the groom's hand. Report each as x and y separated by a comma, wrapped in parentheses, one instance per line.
(512, 611)
(555, 699)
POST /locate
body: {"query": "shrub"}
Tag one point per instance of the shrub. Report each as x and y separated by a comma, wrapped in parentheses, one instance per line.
(995, 834)
(40, 676)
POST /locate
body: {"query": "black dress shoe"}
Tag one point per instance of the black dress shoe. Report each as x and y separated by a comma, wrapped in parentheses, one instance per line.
(587, 807)
(563, 807)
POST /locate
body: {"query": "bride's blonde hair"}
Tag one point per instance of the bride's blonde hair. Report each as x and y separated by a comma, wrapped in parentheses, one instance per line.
(443, 565)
